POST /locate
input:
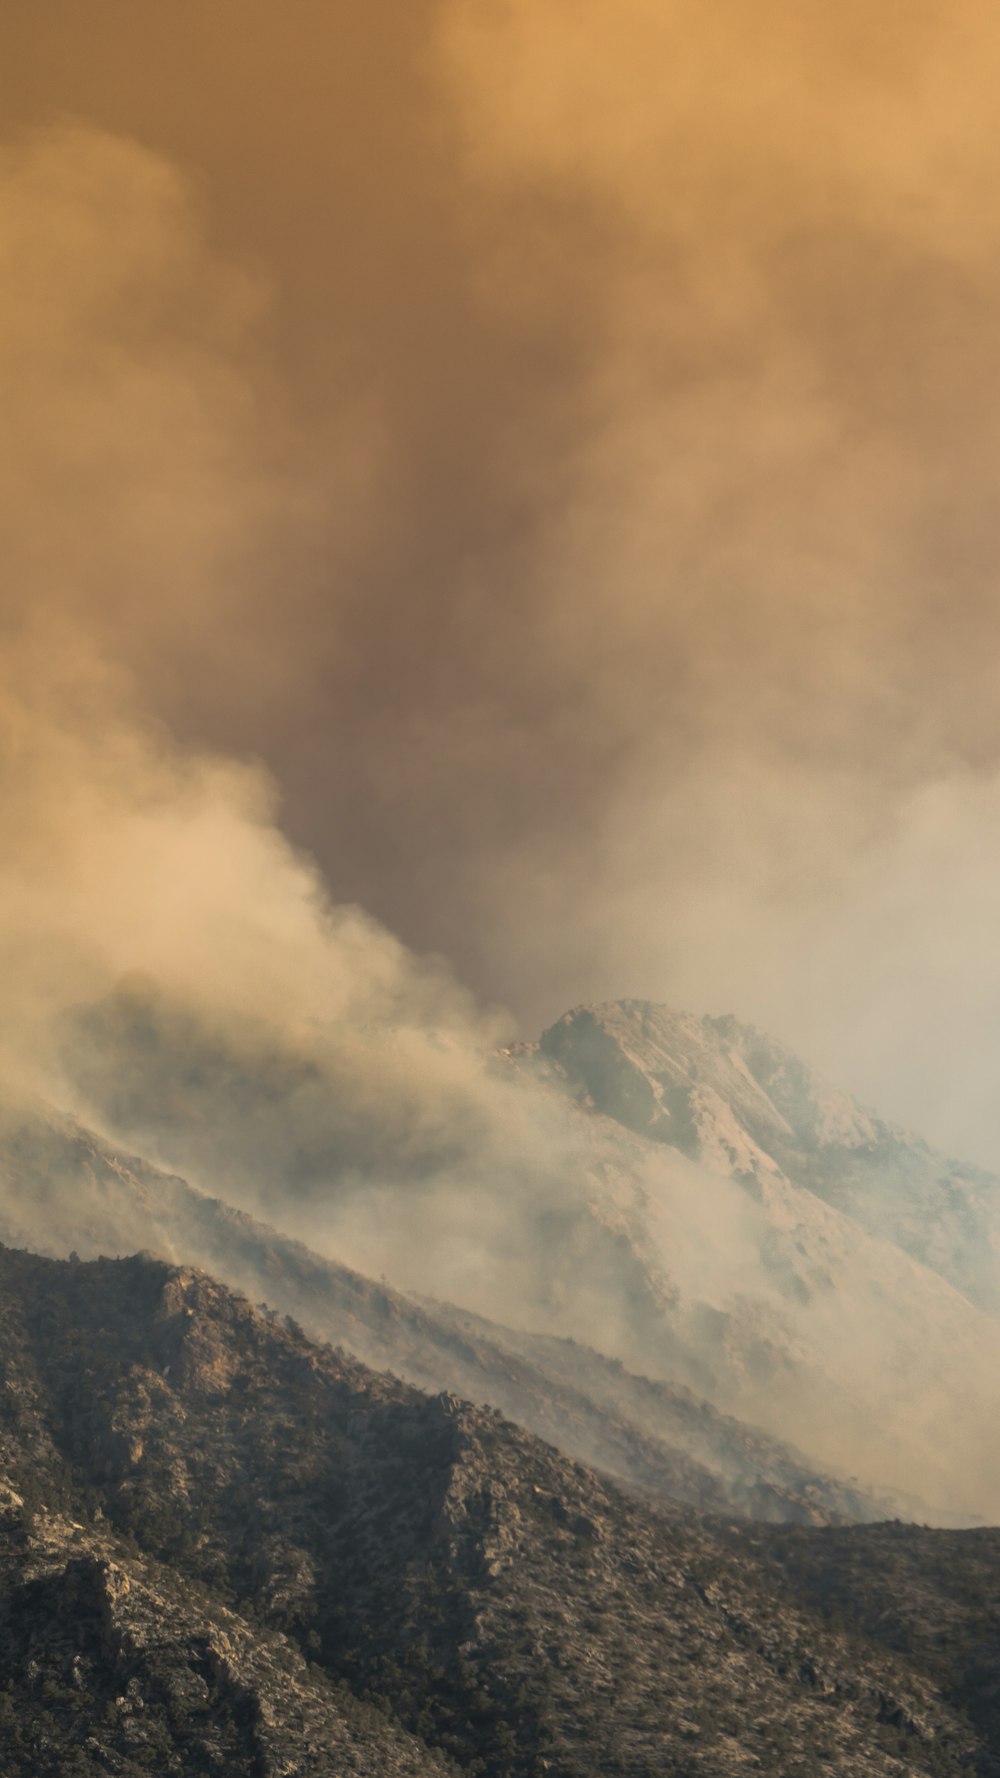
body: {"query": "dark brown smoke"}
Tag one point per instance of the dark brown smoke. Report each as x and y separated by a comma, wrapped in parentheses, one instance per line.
(560, 441)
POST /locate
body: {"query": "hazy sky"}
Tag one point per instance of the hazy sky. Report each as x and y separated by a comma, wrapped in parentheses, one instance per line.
(561, 441)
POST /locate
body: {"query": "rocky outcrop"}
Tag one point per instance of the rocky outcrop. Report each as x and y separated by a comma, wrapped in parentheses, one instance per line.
(735, 1099)
(113, 1663)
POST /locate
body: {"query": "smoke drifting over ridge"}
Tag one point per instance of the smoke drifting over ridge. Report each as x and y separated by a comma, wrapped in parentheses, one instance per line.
(579, 790)
(174, 971)
(561, 441)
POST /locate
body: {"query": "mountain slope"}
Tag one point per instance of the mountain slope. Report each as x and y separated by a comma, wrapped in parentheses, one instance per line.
(681, 1217)
(805, 1314)
(737, 1100)
(63, 1189)
(507, 1605)
(115, 1663)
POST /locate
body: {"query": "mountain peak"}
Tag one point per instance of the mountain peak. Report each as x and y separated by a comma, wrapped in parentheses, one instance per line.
(679, 1078)
(744, 1105)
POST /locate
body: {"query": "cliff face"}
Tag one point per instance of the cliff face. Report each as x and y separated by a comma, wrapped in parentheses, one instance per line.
(199, 1502)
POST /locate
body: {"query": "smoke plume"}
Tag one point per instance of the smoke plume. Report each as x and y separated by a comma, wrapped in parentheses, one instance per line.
(551, 488)
(560, 441)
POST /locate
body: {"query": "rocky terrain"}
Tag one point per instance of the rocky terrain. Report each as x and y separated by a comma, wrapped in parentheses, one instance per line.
(62, 1189)
(818, 1271)
(719, 1279)
(113, 1663)
(225, 1549)
(736, 1100)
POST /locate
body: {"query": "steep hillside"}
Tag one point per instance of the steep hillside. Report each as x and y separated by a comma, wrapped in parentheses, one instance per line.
(196, 1481)
(735, 1099)
(62, 1189)
(746, 1472)
(750, 1291)
(116, 1663)
(783, 1279)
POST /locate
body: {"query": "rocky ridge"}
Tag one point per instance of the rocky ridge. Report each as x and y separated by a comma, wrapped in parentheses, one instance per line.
(188, 1482)
(738, 1101)
(713, 1217)
(811, 1268)
(63, 1189)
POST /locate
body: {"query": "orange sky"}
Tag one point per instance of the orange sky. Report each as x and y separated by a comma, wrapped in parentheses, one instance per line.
(561, 440)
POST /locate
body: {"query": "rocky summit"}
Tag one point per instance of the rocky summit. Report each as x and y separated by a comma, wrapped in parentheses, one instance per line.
(737, 1100)
(789, 1254)
(225, 1549)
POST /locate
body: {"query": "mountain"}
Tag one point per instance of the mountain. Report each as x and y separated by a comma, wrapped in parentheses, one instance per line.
(741, 1103)
(683, 1201)
(809, 1267)
(113, 1662)
(223, 1548)
(63, 1189)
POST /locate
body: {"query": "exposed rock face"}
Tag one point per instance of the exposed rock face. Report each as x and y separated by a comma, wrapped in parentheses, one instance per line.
(738, 1101)
(113, 1663)
(820, 1272)
(189, 1483)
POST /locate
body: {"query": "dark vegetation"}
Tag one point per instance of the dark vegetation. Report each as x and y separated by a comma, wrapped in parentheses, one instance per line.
(226, 1550)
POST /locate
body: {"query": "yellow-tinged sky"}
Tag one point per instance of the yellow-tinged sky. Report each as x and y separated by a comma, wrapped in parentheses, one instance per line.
(563, 442)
